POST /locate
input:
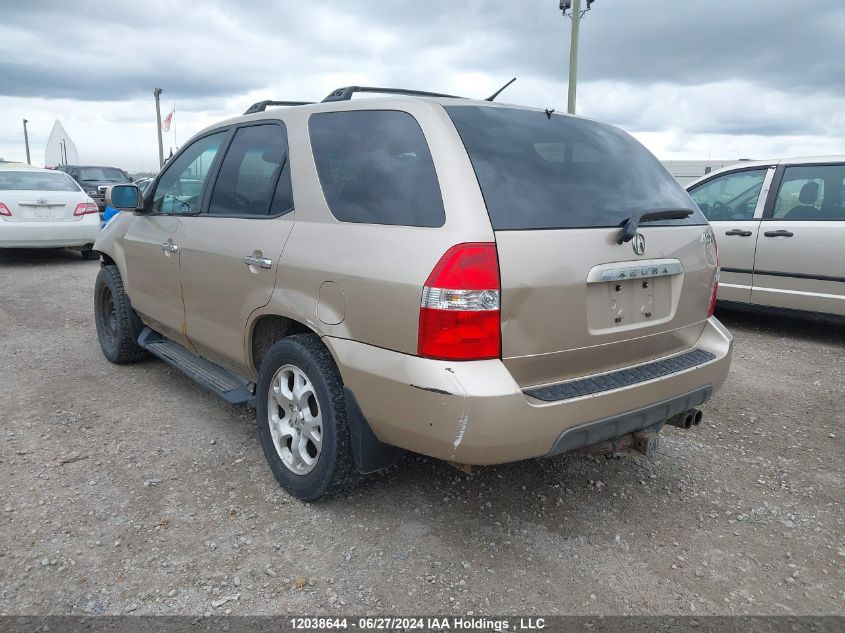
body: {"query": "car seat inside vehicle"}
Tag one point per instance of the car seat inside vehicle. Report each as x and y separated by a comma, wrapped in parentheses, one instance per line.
(807, 197)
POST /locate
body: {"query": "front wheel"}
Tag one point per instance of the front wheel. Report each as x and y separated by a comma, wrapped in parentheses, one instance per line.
(90, 254)
(113, 317)
(301, 413)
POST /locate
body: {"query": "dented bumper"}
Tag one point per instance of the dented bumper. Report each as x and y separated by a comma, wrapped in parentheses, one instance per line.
(475, 413)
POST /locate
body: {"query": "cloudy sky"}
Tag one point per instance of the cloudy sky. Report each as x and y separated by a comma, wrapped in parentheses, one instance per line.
(691, 79)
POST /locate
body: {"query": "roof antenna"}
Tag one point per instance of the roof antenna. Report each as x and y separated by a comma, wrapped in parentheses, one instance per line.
(498, 92)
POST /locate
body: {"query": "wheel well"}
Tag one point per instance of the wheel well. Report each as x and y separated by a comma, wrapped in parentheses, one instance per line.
(268, 330)
(106, 260)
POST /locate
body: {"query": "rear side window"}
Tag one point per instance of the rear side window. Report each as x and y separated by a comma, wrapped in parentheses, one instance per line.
(811, 192)
(557, 172)
(254, 178)
(375, 167)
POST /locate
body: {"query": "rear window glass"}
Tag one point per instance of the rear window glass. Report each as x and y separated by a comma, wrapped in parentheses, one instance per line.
(36, 181)
(541, 172)
(375, 167)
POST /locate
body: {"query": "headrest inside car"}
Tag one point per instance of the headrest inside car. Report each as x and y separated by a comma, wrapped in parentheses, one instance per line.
(809, 193)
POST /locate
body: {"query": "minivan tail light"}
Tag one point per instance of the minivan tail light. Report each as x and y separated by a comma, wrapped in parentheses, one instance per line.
(4, 210)
(84, 208)
(460, 316)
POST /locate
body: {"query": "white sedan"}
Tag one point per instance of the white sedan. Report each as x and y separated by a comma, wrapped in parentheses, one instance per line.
(43, 208)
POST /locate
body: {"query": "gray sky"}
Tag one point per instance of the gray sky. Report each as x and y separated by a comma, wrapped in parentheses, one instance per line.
(689, 78)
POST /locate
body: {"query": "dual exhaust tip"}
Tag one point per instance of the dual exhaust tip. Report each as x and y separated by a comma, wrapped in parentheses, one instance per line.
(687, 419)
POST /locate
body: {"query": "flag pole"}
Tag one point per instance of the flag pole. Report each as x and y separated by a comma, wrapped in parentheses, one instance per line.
(157, 93)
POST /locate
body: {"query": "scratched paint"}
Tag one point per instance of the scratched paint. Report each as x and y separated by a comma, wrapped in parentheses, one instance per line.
(463, 422)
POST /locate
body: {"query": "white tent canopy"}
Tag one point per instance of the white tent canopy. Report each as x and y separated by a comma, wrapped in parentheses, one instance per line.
(60, 149)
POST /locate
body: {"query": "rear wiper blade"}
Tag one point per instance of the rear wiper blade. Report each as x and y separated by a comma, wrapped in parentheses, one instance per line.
(630, 226)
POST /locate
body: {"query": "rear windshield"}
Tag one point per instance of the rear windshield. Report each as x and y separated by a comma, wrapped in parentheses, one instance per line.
(375, 167)
(36, 181)
(557, 172)
(105, 174)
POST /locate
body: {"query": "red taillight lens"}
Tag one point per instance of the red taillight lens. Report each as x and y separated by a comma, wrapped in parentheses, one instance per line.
(4, 210)
(715, 289)
(84, 208)
(459, 313)
(712, 309)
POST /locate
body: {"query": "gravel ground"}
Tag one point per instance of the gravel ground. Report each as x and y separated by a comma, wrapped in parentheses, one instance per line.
(132, 490)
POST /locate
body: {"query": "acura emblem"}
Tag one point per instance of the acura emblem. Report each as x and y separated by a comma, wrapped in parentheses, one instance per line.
(639, 244)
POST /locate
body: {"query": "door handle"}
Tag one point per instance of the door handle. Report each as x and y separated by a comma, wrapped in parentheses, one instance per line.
(261, 262)
(779, 233)
(169, 247)
(739, 232)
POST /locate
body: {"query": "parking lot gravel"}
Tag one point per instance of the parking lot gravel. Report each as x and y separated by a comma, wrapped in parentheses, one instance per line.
(132, 490)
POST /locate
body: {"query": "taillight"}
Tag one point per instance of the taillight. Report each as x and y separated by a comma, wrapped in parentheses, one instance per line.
(4, 210)
(459, 312)
(713, 295)
(715, 288)
(84, 208)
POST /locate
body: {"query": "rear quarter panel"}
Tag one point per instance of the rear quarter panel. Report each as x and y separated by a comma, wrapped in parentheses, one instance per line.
(381, 269)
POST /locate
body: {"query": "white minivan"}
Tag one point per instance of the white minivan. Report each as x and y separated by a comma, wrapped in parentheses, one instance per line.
(780, 229)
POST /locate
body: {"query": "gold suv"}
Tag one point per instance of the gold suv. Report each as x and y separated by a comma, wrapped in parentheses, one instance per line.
(477, 282)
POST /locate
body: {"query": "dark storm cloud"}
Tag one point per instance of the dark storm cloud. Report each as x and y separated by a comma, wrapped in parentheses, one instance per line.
(684, 68)
(117, 49)
(96, 82)
(784, 44)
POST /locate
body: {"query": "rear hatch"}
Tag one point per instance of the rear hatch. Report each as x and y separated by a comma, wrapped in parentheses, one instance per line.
(574, 301)
(38, 196)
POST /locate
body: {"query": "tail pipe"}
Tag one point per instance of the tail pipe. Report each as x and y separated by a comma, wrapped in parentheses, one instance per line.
(687, 419)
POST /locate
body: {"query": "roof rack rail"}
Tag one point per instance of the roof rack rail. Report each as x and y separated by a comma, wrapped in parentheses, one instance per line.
(345, 94)
(262, 105)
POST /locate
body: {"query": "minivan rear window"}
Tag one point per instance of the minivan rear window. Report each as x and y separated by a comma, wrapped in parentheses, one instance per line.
(539, 171)
(375, 167)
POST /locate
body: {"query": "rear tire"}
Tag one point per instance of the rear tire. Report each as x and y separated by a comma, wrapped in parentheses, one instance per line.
(113, 317)
(90, 254)
(301, 413)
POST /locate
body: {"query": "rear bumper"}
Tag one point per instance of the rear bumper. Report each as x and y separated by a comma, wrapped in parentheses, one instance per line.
(475, 413)
(49, 234)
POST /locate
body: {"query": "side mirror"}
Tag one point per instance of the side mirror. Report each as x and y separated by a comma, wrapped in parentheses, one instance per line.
(123, 197)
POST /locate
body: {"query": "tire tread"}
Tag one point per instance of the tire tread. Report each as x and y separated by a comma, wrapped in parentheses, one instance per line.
(343, 476)
(128, 349)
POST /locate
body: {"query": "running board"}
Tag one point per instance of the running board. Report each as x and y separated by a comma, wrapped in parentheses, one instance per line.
(224, 383)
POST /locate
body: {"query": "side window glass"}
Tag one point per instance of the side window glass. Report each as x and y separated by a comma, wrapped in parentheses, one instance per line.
(180, 187)
(375, 167)
(730, 197)
(811, 192)
(254, 178)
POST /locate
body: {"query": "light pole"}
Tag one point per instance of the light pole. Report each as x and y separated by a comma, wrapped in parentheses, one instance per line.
(572, 9)
(157, 94)
(26, 142)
